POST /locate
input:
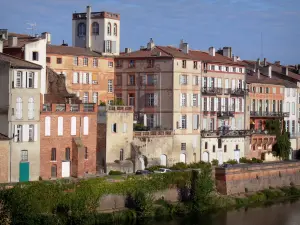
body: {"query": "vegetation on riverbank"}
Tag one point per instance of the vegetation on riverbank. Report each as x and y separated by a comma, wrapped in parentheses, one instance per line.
(65, 202)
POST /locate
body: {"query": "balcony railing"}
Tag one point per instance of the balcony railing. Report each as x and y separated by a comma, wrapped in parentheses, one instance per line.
(74, 107)
(153, 133)
(211, 91)
(88, 107)
(47, 107)
(226, 114)
(269, 114)
(225, 133)
(60, 108)
(239, 91)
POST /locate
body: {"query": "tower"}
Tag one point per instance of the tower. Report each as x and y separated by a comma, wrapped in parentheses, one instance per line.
(98, 31)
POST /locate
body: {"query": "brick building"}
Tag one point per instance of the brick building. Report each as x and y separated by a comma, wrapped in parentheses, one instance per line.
(4, 158)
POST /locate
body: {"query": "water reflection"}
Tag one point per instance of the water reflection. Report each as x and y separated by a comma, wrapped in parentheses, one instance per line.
(281, 214)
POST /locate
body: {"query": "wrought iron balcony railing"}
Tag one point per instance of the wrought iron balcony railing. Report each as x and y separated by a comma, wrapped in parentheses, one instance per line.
(225, 114)
(239, 91)
(269, 114)
(211, 91)
(223, 133)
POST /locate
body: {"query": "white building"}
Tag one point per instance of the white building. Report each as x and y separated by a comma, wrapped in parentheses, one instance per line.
(99, 31)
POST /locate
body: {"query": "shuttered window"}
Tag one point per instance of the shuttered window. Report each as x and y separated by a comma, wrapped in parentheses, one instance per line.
(85, 125)
(19, 108)
(47, 126)
(30, 108)
(124, 127)
(60, 126)
(73, 125)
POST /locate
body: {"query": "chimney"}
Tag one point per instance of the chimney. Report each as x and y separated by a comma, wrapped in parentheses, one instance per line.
(235, 58)
(181, 44)
(212, 51)
(1, 46)
(142, 47)
(64, 44)
(185, 48)
(12, 41)
(265, 62)
(47, 36)
(258, 62)
(127, 50)
(270, 71)
(285, 70)
(150, 44)
(258, 73)
(277, 63)
(298, 69)
(88, 27)
(227, 52)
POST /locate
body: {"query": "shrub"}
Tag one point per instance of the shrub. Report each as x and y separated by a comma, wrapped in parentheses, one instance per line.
(179, 166)
(154, 168)
(231, 161)
(245, 160)
(215, 162)
(255, 160)
(115, 172)
(257, 197)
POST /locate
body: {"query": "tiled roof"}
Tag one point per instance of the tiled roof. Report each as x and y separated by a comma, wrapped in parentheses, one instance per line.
(4, 137)
(69, 50)
(263, 79)
(18, 63)
(22, 40)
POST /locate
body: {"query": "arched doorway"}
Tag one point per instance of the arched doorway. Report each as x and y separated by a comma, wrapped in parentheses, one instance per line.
(53, 171)
(205, 157)
(163, 160)
(182, 158)
(142, 162)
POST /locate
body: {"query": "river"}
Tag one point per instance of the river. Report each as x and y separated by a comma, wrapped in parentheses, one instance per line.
(281, 214)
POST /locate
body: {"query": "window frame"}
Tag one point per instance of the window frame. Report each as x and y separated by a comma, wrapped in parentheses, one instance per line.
(24, 155)
(53, 155)
(110, 86)
(95, 28)
(35, 56)
(85, 61)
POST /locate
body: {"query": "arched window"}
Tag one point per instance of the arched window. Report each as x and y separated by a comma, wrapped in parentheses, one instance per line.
(109, 29)
(163, 160)
(81, 29)
(30, 108)
(19, 108)
(53, 171)
(95, 28)
(115, 29)
(68, 154)
(182, 158)
(205, 157)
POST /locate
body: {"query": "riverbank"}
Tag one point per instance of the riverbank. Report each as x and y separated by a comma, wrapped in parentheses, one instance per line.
(154, 196)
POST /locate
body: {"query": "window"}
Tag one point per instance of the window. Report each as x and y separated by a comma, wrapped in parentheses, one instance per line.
(227, 69)
(274, 90)
(225, 148)
(73, 125)
(114, 128)
(109, 29)
(87, 78)
(150, 120)
(110, 86)
(119, 63)
(183, 146)
(85, 153)
(53, 154)
(30, 108)
(119, 80)
(205, 145)
(19, 79)
(110, 64)
(48, 59)
(131, 80)
(115, 29)
(85, 61)
(95, 97)
(85, 98)
(60, 126)
(183, 122)
(183, 79)
(220, 68)
(150, 99)
(293, 108)
(31, 132)
(214, 148)
(241, 71)
(195, 100)
(35, 56)
(219, 143)
(30, 80)
(124, 127)
(24, 155)
(47, 126)
(195, 65)
(293, 126)
(240, 104)
(19, 108)
(59, 60)
(131, 99)
(212, 67)
(236, 147)
(107, 46)
(95, 28)
(260, 90)
(183, 99)
(95, 62)
(234, 69)
(67, 154)
(81, 30)
(53, 171)
(76, 78)
(195, 80)
(183, 63)
(131, 64)
(151, 80)
(75, 60)
(150, 63)
(85, 125)
(121, 155)
(267, 90)
(18, 133)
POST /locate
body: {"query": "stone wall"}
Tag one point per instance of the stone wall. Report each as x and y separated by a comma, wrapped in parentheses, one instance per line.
(244, 177)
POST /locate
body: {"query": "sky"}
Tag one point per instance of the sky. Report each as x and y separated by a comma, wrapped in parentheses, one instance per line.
(253, 28)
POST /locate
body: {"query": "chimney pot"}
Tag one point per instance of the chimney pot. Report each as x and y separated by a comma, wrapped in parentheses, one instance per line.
(285, 70)
(47, 36)
(12, 41)
(212, 51)
(127, 50)
(265, 62)
(185, 48)
(227, 52)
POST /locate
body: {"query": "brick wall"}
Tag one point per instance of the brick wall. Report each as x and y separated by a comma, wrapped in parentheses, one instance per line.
(244, 177)
(4, 157)
(76, 143)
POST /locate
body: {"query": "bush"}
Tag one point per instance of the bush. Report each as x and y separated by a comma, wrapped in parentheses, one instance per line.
(215, 162)
(231, 161)
(154, 168)
(245, 160)
(115, 172)
(179, 166)
(255, 160)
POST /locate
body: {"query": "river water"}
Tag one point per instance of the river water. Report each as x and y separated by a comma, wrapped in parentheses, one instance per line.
(281, 214)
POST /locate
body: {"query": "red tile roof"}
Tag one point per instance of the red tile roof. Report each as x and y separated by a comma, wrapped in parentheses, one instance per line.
(22, 40)
(18, 63)
(69, 50)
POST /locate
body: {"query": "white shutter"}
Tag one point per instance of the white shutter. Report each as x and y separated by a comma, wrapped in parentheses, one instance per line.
(199, 80)
(90, 78)
(180, 99)
(15, 133)
(85, 125)
(81, 78)
(216, 104)
(243, 84)
(194, 121)
(233, 84)
(180, 77)
(229, 104)
(204, 124)
(60, 126)
(237, 105)
(73, 125)
(219, 82)
(187, 99)
(75, 78)
(84, 78)
(198, 100)
(222, 104)
(208, 103)
(36, 133)
(209, 82)
(243, 104)
(232, 123)
(47, 126)
(155, 99)
(25, 135)
(15, 78)
(24, 79)
(187, 121)
(203, 82)
(202, 103)
(145, 120)
(112, 127)
(226, 83)
(187, 79)
(155, 120)
(124, 127)
(194, 80)
(192, 97)
(36, 80)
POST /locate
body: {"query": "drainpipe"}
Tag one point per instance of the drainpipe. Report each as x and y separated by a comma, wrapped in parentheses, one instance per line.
(201, 112)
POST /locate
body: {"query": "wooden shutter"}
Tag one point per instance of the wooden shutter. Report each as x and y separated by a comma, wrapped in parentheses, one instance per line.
(75, 78)
(124, 127)
(60, 126)
(90, 78)
(198, 100)
(15, 133)
(85, 125)
(24, 79)
(36, 80)
(233, 84)
(73, 125)
(155, 99)
(25, 135)
(47, 126)
(81, 78)
(36, 132)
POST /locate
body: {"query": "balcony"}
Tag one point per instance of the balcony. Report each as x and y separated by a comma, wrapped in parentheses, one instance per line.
(158, 133)
(74, 107)
(88, 107)
(269, 114)
(225, 133)
(60, 107)
(226, 114)
(211, 91)
(239, 92)
(47, 107)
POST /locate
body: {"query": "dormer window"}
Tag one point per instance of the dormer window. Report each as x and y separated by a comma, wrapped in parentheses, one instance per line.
(109, 29)
(81, 30)
(95, 28)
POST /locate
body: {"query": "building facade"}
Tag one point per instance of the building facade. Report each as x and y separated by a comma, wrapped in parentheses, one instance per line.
(4, 158)
(20, 118)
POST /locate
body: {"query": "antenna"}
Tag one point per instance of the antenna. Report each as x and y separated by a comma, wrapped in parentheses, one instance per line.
(32, 28)
(261, 46)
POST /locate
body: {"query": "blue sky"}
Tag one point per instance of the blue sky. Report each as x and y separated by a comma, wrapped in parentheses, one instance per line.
(201, 23)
